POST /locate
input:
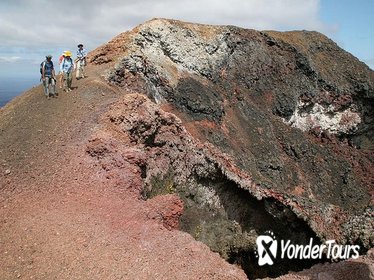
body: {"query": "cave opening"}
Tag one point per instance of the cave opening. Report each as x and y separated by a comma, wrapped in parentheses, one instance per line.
(228, 219)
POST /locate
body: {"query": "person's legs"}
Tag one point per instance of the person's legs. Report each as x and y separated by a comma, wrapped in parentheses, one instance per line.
(78, 73)
(70, 79)
(61, 79)
(53, 86)
(66, 75)
(45, 84)
(83, 66)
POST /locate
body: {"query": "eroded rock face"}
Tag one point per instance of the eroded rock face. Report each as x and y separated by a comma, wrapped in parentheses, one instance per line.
(312, 82)
(279, 123)
(150, 150)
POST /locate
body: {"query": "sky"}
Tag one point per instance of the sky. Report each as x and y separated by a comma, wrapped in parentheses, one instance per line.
(30, 29)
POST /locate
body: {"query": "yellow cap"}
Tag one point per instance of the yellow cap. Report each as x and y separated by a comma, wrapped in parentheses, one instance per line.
(67, 53)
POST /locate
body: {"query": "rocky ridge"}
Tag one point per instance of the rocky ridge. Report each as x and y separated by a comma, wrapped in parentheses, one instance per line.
(217, 131)
(248, 96)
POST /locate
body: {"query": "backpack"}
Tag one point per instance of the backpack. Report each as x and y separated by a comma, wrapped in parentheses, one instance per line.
(61, 58)
(68, 58)
(42, 65)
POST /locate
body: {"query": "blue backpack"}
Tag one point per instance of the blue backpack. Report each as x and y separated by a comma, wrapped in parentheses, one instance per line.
(42, 65)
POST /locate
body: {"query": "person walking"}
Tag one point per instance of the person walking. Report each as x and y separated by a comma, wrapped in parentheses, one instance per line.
(48, 77)
(67, 67)
(81, 62)
(61, 75)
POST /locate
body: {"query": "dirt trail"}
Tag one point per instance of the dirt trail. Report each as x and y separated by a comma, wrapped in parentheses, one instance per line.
(59, 216)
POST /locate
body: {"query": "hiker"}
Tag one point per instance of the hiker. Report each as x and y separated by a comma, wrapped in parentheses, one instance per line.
(61, 75)
(67, 67)
(48, 77)
(81, 62)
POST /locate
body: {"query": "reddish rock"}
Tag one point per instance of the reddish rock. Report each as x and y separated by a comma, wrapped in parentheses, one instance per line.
(182, 134)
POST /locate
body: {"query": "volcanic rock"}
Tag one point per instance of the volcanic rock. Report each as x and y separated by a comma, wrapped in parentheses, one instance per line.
(185, 133)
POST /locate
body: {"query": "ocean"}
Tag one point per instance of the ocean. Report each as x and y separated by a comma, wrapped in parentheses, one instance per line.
(11, 87)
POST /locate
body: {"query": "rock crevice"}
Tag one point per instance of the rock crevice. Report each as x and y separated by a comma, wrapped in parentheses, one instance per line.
(222, 206)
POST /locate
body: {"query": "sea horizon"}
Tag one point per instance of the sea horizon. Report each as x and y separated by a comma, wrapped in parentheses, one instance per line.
(13, 86)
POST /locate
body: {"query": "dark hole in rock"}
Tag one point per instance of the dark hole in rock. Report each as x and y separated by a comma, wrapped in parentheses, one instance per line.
(228, 219)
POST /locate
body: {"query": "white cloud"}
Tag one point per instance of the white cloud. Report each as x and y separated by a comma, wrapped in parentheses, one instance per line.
(53, 23)
(30, 29)
(10, 59)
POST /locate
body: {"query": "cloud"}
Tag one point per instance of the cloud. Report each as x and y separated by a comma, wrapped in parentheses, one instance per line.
(31, 23)
(10, 59)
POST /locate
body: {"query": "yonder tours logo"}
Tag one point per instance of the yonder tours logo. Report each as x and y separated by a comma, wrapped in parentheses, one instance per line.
(269, 249)
(266, 249)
